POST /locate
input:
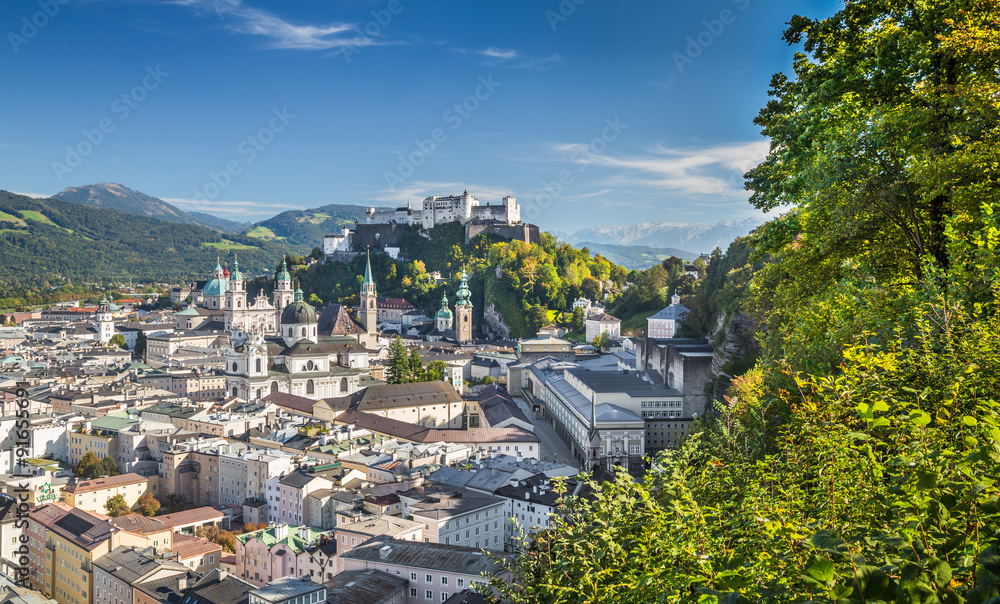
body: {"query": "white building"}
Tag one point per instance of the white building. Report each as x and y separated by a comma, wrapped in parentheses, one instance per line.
(436, 210)
(603, 324)
(664, 323)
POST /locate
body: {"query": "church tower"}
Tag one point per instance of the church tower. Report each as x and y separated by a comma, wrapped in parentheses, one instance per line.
(105, 325)
(368, 309)
(283, 293)
(443, 319)
(463, 311)
(236, 295)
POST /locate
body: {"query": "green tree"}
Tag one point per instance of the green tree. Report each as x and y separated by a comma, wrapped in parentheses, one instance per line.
(591, 289)
(119, 341)
(148, 505)
(107, 467)
(88, 465)
(578, 319)
(537, 317)
(436, 371)
(415, 366)
(398, 367)
(886, 130)
(140, 344)
(117, 506)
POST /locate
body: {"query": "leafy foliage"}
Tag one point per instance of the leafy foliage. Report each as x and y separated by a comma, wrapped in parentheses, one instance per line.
(148, 505)
(117, 506)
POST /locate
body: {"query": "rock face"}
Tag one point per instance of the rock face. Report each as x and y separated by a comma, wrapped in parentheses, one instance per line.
(496, 322)
(736, 348)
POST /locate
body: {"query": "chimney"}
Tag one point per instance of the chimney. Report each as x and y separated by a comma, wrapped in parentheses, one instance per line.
(281, 531)
(384, 551)
(223, 575)
(182, 581)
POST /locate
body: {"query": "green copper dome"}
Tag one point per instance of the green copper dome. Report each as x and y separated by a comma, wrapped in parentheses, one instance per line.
(299, 312)
(445, 312)
(215, 287)
(283, 273)
(236, 275)
(464, 295)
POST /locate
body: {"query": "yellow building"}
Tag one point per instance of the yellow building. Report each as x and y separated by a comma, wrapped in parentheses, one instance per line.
(63, 543)
(91, 495)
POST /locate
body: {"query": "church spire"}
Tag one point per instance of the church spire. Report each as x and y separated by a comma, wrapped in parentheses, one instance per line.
(368, 271)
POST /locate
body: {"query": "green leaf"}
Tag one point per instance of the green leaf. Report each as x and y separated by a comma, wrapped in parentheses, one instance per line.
(822, 570)
(920, 418)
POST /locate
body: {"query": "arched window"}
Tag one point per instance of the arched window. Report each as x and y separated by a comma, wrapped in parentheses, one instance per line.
(258, 393)
(234, 390)
(258, 365)
(371, 304)
(239, 304)
(343, 385)
(303, 332)
(310, 387)
(274, 387)
(235, 367)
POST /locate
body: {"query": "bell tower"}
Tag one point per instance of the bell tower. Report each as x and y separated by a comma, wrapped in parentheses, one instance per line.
(463, 311)
(368, 309)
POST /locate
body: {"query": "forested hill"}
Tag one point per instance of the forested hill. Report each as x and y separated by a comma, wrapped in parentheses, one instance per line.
(306, 228)
(118, 197)
(858, 460)
(49, 241)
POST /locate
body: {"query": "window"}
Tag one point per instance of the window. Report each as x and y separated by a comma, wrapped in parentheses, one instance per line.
(413, 592)
(444, 580)
(413, 577)
(460, 582)
(429, 579)
(428, 595)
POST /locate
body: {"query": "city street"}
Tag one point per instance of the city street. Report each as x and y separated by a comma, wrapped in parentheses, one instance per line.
(553, 448)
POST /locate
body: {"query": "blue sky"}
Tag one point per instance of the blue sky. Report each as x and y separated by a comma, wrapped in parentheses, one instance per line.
(590, 112)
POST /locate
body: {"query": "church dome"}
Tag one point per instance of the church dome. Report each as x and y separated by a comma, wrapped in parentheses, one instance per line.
(299, 312)
(215, 287)
(236, 275)
(445, 312)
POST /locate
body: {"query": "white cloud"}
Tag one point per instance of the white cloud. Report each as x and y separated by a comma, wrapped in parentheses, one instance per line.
(508, 57)
(715, 170)
(238, 17)
(242, 211)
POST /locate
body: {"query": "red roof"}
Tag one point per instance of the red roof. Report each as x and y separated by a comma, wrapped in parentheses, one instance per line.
(108, 482)
(202, 514)
(395, 303)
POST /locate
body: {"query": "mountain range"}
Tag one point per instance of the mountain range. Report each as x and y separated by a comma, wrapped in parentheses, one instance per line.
(697, 237)
(118, 197)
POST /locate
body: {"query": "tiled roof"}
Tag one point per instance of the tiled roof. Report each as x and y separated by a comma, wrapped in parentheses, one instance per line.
(414, 554)
(137, 523)
(363, 587)
(291, 401)
(97, 484)
(86, 530)
(219, 587)
(334, 321)
(187, 546)
(202, 514)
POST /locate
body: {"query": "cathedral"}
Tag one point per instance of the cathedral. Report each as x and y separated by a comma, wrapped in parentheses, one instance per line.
(279, 347)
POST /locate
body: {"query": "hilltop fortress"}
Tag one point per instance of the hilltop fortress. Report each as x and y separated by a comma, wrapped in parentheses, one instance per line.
(384, 229)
